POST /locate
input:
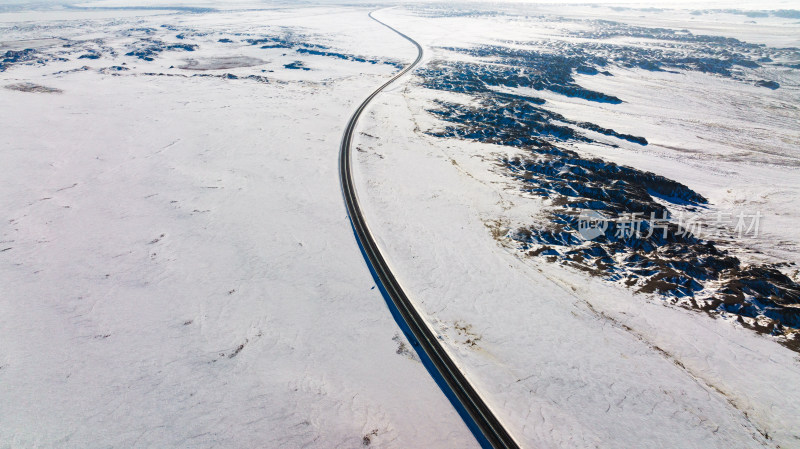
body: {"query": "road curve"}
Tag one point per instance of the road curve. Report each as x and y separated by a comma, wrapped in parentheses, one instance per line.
(476, 414)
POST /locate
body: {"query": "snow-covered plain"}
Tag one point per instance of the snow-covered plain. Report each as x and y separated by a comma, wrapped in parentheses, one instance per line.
(566, 359)
(177, 266)
(178, 269)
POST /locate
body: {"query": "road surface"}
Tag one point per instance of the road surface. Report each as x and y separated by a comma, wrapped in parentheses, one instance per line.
(476, 414)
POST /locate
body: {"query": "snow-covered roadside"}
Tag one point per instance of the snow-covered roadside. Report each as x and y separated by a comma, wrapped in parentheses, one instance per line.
(566, 360)
(178, 269)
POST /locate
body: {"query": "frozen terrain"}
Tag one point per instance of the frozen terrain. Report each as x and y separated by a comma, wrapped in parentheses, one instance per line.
(573, 349)
(177, 268)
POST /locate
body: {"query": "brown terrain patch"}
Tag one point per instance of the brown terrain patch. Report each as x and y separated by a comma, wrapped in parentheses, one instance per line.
(31, 87)
(221, 63)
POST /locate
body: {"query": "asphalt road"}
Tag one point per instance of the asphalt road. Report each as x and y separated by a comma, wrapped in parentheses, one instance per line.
(476, 414)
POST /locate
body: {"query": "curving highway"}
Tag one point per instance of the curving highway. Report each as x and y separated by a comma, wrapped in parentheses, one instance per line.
(476, 414)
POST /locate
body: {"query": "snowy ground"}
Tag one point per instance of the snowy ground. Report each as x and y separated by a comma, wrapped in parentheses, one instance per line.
(566, 359)
(177, 266)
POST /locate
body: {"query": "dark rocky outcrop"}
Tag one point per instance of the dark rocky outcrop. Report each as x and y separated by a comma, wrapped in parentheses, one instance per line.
(661, 255)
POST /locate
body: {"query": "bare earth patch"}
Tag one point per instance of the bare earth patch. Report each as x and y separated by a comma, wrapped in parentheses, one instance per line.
(221, 63)
(31, 87)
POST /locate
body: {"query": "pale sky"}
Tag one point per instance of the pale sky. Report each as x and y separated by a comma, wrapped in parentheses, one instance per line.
(678, 4)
